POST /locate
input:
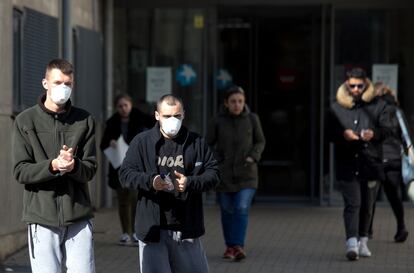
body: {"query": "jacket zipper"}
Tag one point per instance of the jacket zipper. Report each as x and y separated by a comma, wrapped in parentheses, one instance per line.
(58, 198)
(234, 148)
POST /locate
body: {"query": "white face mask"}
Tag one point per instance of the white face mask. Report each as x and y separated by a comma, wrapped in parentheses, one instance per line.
(171, 126)
(60, 94)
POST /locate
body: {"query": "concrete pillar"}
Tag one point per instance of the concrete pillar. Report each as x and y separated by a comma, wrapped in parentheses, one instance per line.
(12, 230)
(109, 74)
(67, 44)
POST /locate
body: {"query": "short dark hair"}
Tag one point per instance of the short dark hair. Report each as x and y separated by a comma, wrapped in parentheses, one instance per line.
(122, 96)
(63, 65)
(170, 100)
(235, 89)
(357, 73)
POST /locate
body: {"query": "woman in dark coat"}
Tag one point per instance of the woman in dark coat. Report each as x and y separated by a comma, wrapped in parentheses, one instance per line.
(128, 121)
(237, 137)
(391, 158)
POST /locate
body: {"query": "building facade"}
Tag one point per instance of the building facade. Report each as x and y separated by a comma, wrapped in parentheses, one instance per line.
(288, 55)
(32, 33)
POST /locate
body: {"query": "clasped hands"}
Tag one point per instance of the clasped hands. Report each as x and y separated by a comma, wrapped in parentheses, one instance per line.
(366, 135)
(65, 161)
(180, 182)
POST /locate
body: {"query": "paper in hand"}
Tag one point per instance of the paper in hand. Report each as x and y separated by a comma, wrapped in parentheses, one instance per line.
(117, 155)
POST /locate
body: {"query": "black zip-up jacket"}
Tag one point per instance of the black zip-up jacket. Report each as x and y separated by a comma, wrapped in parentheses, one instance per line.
(138, 122)
(140, 167)
(359, 159)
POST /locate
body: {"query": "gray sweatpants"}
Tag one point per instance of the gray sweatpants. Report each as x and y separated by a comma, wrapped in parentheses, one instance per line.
(71, 246)
(172, 255)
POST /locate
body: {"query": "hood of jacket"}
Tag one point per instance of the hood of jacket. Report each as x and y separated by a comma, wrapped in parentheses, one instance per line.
(41, 102)
(346, 100)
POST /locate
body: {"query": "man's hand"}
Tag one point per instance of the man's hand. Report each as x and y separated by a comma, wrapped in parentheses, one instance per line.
(64, 162)
(180, 181)
(113, 144)
(62, 166)
(249, 159)
(350, 135)
(66, 153)
(367, 134)
(160, 184)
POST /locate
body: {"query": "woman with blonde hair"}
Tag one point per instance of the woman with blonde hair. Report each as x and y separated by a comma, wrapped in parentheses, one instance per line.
(127, 122)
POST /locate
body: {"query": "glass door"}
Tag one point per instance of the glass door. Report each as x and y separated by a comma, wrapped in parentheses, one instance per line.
(166, 54)
(273, 55)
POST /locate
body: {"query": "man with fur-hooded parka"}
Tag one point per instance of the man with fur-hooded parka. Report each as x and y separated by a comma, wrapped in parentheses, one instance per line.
(358, 158)
(358, 127)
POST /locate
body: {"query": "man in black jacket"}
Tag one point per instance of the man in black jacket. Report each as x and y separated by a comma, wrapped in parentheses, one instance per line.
(171, 167)
(358, 129)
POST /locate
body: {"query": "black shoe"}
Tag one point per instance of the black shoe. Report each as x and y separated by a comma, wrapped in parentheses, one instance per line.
(401, 236)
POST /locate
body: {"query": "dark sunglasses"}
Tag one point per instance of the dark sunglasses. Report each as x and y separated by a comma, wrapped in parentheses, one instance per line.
(359, 86)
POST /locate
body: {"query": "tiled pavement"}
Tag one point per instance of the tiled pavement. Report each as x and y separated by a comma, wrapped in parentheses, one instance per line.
(281, 238)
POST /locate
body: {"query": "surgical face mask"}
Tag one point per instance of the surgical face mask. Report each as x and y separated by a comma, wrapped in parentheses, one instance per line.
(171, 126)
(60, 94)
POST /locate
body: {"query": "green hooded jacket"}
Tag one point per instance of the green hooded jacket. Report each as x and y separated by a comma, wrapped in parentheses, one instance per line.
(234, 138)
(50, 198)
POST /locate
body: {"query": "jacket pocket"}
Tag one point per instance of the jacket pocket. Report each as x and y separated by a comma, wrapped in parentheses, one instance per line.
(40, 207)
(248, 170)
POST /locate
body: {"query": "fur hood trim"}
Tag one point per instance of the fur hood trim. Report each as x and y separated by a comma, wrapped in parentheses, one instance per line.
(345, 99)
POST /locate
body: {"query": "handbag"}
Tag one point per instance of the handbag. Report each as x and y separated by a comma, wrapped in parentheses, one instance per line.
(407, 166)
(407, 158)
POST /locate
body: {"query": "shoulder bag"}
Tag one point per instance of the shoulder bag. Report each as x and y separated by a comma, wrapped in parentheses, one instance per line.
(407, 158)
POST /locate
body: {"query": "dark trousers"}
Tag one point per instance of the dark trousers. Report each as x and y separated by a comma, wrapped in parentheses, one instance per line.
(359, 199)
(127, 202)
(392, 189)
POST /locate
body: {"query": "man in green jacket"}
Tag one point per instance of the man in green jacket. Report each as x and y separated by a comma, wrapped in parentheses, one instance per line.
(54, 158)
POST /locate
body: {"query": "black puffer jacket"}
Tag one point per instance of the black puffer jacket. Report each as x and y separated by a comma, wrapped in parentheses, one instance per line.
(138, 122)
(359, 159)
(391, 148)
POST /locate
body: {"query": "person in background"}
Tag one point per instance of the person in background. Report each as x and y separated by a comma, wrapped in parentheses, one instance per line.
(54, 158)
(358, 126)
(127, 122)
(391, 158)
(171, 167)
(238, 140)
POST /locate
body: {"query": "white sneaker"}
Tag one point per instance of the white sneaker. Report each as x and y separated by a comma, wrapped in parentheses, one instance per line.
(363, 247)
(125, 239)
(352, 252)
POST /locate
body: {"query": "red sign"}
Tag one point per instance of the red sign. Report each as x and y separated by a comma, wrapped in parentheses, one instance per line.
(287, 79)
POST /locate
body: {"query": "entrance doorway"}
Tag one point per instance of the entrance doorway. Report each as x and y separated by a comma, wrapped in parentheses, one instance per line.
(274, 55)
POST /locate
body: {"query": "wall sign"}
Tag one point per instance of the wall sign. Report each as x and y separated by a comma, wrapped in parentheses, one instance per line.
(158, 82)
(386, 73)
(185, 75)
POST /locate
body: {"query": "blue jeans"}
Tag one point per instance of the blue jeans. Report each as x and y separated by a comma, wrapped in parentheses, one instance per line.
(234, 208)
